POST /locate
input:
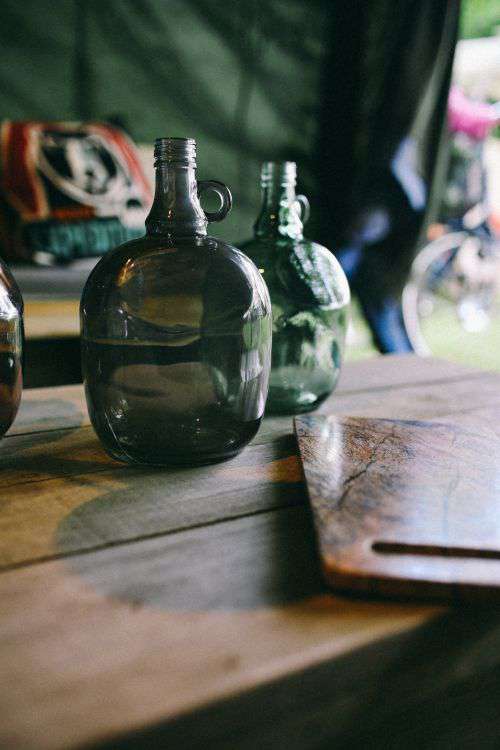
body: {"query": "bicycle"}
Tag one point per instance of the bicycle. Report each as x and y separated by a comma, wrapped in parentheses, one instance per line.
(458, 270)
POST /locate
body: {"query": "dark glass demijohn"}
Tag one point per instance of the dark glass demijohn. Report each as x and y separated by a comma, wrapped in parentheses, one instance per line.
(309, 294)
(176, 331)
(11, 348)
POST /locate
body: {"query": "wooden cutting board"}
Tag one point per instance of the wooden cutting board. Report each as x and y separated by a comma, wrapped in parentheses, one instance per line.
(404, 508)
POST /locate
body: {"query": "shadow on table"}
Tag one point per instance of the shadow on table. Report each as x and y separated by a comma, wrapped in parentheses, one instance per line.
(435, 687)
(244, 563)
(39, 415)
(235, 535)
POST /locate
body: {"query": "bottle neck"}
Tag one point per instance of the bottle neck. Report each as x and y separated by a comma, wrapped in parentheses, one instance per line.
(176, 209)
(280, 212)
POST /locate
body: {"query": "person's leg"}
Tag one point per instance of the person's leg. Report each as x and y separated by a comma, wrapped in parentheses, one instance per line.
(383, 109)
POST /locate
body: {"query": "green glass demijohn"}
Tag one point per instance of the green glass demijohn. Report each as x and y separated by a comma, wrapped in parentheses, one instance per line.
(176, 331)
(309, 294)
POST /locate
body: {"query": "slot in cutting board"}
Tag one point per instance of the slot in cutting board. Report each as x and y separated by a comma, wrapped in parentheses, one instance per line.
(404, 508)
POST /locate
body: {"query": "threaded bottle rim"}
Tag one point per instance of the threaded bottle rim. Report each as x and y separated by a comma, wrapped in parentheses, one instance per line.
(279, 173)
(175, 151)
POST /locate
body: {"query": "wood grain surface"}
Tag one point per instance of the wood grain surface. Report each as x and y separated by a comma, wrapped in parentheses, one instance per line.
(186, 608)
(51, 318)
(405, 507)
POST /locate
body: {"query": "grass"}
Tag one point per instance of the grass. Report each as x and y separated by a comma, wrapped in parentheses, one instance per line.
(444, 335)
(447, 339)
(359, 342)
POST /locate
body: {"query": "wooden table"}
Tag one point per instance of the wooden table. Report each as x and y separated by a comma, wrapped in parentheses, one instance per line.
(183, 608)
(52, 319)
(52, 344)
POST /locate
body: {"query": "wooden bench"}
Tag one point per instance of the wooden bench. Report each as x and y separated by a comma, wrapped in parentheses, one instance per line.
(51, 318)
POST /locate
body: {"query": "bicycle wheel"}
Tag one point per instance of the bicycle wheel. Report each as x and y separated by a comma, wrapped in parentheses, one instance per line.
(451, 304)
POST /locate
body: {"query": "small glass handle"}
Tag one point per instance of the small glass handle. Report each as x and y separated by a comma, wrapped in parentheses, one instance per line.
(226, 199)
(305, 208)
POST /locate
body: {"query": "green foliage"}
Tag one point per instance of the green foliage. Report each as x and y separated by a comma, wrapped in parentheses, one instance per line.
(479, 18)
